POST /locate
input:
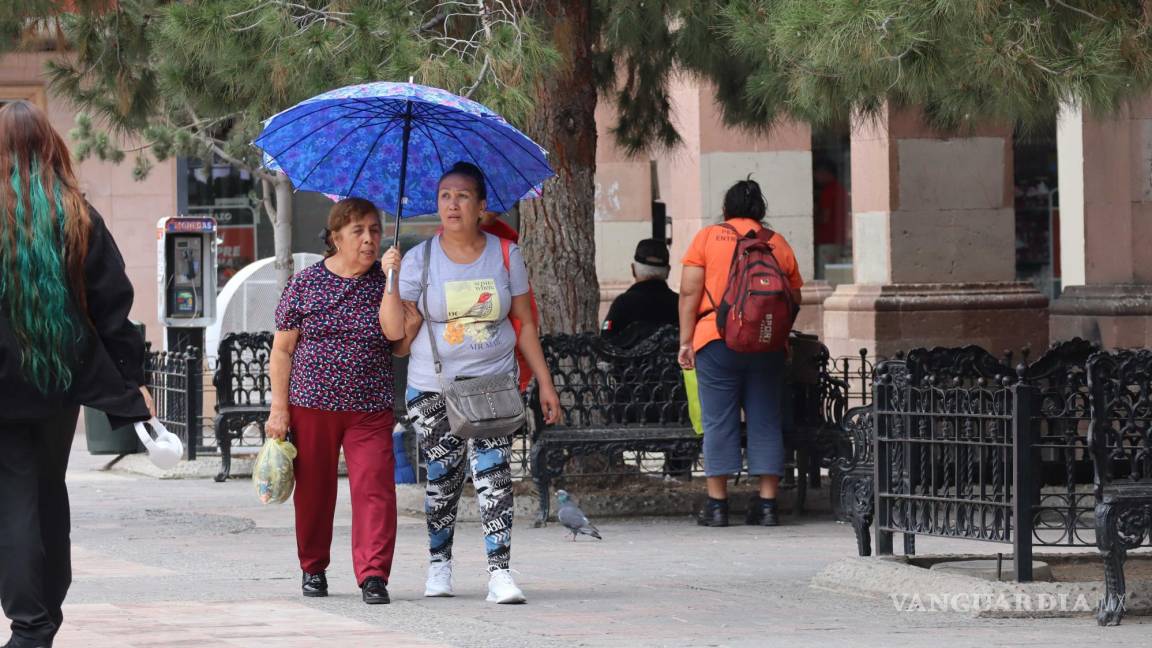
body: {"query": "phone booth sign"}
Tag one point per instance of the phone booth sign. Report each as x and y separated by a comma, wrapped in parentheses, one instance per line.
(186, 265)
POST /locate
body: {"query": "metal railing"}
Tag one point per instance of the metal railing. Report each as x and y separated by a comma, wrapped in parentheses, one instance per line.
(176, 382)
(955, 461)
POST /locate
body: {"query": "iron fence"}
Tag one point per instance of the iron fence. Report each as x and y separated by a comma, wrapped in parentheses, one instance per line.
(952, 461)
(1063, 496)
(857, 374)
(176, 382)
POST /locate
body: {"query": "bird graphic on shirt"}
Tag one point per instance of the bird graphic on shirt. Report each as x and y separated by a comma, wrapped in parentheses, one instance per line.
(482, 308)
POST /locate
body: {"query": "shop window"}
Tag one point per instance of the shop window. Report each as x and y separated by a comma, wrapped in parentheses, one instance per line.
(832, 205)
(1037, 209)
(227, 194)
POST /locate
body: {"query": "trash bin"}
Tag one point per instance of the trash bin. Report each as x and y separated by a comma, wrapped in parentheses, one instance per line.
(102, 439)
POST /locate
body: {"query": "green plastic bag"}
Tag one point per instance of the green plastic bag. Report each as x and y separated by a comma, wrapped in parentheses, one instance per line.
(272, 474)
(692, 391)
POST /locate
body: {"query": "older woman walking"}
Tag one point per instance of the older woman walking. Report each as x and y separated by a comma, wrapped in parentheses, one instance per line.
(474, 282)
(65, 340)
(732, 382)
(332, 387)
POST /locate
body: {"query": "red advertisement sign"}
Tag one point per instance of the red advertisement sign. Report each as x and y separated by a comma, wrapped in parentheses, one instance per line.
(236, 250)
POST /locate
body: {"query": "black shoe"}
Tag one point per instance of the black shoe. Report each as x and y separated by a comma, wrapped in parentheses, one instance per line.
(314, 585)
(374, 591)
(762, 512)
(714, 514)
(16, 642)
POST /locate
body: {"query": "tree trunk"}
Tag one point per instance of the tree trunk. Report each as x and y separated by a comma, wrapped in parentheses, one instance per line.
(282, 231)
(558, 230)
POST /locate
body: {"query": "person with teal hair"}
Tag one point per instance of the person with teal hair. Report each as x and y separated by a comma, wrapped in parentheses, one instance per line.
(65, 341)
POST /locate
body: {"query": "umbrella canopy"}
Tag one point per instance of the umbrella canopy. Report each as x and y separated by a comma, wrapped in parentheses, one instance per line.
(391, 142)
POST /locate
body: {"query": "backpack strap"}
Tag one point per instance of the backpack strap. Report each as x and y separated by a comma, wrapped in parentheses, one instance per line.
(706, 292)
(506, 250)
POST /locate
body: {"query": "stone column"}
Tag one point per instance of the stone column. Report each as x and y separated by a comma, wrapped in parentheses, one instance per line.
(1105, 175)
(933, 244)
(623, 208)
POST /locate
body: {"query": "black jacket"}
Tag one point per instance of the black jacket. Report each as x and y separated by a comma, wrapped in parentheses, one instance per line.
(640, 311)
(108, 359)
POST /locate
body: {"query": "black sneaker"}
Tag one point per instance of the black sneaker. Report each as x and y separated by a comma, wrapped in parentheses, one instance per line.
(314, 585)
(714, 514)
(374, 591)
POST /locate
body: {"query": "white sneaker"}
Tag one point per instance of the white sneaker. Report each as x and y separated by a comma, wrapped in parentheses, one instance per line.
(502, 589)
(439, 581)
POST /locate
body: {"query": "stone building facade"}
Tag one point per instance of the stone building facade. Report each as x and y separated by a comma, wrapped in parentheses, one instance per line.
(933, 230)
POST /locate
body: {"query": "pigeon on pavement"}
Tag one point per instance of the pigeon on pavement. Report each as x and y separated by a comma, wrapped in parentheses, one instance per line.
(573, 518)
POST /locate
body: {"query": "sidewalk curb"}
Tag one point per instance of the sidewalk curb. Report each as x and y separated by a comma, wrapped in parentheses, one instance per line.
(896, 579)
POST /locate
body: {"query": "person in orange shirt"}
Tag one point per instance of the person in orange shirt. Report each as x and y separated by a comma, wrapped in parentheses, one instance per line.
(732, 382)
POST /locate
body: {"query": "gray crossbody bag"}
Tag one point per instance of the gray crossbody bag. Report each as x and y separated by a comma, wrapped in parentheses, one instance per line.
(478, 408)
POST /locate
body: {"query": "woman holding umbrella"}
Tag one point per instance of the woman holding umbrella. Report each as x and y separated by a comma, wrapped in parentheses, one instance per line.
(471, 291)
(392, 143)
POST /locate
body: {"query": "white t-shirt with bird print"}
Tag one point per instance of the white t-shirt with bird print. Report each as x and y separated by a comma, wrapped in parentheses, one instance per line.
(468, 311)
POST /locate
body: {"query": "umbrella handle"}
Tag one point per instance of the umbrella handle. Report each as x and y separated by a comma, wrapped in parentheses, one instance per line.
(391, 284)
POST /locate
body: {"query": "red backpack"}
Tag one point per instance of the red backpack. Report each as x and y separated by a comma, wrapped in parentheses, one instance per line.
(525, 370)
(757, 309)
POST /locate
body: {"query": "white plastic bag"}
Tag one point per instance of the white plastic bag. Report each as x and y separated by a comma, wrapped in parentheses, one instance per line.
(166, 450)
(272, 474)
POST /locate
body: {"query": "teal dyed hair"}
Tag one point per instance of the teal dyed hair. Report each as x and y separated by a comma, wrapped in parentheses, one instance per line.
(34, 285)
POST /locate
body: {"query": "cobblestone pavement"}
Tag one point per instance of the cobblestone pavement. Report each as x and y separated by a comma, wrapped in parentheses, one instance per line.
(195, 563)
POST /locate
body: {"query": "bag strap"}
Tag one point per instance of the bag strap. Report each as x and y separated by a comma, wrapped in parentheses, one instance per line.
(708, 294)
(506, 249)
(424, 299)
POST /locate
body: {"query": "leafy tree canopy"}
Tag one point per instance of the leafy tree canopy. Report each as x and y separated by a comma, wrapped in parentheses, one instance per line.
(216, 68)
(819, 61)
(197, 78)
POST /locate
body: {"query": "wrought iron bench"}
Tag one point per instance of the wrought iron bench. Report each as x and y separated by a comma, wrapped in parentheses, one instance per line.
(1121, 445)
(243, 390)
(852, 475)
(616, 401)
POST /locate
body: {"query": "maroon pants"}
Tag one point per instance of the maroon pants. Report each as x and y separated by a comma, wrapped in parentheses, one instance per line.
(367, 441)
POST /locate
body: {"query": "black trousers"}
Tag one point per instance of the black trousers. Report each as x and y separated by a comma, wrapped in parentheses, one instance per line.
(35, 549)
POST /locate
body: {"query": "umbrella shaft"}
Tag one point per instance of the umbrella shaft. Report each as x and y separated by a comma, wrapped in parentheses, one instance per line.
(403, 198)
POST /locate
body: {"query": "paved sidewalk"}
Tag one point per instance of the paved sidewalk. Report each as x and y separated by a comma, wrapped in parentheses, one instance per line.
(194, 563)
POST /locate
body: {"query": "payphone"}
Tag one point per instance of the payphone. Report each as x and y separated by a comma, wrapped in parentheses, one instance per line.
(186, 265)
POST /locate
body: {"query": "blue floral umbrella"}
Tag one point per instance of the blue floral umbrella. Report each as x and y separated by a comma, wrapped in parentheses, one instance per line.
(391, 142)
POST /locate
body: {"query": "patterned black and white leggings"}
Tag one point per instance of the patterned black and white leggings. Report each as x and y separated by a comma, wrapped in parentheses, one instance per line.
(445, 456)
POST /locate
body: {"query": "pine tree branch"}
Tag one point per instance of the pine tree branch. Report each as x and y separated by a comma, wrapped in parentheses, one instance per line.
(436, 20)
(323, 15)
(487, 26)
(213, 144)
(467, 92)
(1079, 11)
(258, 7)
